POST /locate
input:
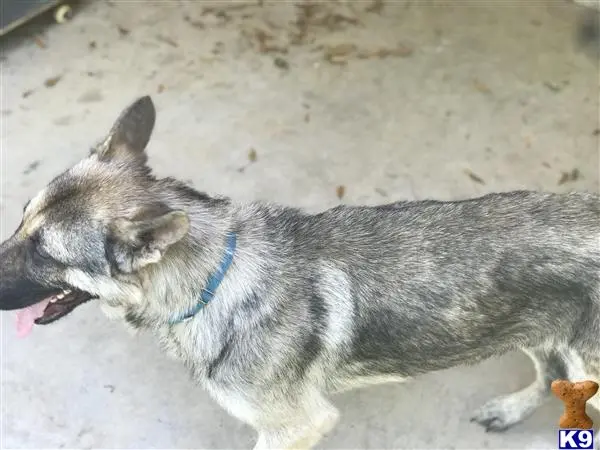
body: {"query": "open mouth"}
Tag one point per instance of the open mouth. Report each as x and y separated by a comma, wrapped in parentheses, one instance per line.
(50, 309)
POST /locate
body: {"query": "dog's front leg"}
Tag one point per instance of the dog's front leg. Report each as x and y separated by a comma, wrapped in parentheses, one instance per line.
(303, 437)
(303, 430)
(284, 439)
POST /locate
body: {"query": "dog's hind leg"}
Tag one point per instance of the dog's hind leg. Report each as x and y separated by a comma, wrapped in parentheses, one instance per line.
(503, 412)
(301, 427)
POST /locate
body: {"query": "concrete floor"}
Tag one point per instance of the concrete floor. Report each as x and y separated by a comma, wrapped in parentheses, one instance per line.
(470, 100)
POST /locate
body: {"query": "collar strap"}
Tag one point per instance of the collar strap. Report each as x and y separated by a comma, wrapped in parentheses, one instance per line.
(214, 280)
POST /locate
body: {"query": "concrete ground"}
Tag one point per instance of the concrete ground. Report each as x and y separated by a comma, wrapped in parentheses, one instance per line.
(412, 101)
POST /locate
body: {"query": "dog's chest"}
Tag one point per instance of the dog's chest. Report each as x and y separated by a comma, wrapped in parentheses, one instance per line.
(190, 345)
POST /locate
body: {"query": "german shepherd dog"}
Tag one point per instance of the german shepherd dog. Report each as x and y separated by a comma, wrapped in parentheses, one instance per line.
(273, 309)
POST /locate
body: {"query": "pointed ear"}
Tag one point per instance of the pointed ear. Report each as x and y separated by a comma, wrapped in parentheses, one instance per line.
(135, 243)
(129, 136)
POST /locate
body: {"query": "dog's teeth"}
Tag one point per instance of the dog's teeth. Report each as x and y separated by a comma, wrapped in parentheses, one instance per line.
(60, 296)
(53, 299)
(66, 291)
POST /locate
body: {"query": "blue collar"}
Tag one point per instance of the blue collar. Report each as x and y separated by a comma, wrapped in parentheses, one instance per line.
(214, 281)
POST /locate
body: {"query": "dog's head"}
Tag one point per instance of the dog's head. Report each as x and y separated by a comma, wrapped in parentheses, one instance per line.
(91, 230)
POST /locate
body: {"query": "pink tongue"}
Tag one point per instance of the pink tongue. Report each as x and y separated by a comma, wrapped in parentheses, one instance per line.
(27, 316)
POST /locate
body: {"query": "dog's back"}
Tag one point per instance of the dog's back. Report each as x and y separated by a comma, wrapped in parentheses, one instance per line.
(433, 284)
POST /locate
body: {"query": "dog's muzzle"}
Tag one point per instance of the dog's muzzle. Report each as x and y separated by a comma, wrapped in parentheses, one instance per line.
(17, 289)
(35, 302)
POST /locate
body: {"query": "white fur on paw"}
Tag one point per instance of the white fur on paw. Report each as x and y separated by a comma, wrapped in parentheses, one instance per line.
(497, 415)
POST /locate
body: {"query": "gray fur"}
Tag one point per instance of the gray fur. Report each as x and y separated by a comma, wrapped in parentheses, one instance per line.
(316, 304)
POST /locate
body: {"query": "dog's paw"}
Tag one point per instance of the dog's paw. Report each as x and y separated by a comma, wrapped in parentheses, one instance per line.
(497, 415)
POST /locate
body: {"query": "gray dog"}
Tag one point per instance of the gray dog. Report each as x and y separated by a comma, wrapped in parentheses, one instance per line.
(273, 310)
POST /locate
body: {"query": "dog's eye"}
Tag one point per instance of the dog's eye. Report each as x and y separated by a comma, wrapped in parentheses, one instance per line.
(39, 251)
(42, 253)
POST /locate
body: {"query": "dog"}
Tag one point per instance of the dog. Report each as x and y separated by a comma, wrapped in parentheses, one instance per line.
(274, 310)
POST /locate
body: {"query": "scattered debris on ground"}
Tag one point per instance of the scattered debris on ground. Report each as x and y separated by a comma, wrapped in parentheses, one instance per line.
(481, 87)
(91, 96)
(342, 53)
(167, 40)
(218, 48)
(51, 82)
(31, 167)
(123, 31)
(474, 177)
(312, 21)
(252, 158)
(39, 42)
(569, 177)
(281, 63)
(401, 51)
(556, 87)
(338, 54)
(252, 155)
(195, 23)
(375, 7)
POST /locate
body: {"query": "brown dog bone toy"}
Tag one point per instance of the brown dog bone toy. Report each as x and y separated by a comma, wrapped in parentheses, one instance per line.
(574, 396)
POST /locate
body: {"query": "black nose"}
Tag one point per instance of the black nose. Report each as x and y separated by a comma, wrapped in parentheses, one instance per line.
(17, 289)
